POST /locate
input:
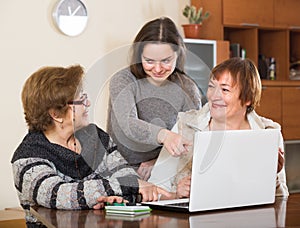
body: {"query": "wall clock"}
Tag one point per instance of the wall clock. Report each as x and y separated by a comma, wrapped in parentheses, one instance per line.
(70, 17)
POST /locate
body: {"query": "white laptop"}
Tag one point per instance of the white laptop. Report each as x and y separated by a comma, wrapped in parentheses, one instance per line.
(233, 168)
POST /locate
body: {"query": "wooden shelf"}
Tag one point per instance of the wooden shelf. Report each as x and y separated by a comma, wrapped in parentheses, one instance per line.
(289, 83)
(251, 13)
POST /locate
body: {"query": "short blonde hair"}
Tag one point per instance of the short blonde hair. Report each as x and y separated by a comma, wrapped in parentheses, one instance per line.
(245, 73)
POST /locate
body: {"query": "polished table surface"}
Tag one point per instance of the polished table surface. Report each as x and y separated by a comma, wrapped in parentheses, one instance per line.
(283, 213)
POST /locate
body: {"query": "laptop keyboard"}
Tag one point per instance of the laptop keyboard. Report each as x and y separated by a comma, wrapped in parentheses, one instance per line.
(183, 204)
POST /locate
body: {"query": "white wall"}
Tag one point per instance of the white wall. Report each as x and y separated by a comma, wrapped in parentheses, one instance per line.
(29, 40)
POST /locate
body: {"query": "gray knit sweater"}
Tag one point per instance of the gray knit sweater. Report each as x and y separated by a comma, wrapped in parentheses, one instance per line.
(53, 176)
(138, 110)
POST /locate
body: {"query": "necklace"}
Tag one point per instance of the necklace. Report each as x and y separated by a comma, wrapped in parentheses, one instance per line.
(74, 128)
(75, 144)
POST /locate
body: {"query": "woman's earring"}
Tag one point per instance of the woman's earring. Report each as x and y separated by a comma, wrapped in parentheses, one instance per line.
(61, 125)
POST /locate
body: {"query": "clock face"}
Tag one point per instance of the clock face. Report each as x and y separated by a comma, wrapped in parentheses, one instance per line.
(70, 17)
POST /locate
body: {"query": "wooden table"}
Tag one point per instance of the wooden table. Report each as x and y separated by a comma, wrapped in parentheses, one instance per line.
(12, 218)
(283, 213)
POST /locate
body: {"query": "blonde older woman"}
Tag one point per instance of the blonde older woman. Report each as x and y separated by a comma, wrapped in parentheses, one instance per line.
(234, 91)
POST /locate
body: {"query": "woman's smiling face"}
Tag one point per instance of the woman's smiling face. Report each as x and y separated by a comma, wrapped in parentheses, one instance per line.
(159, 61)
(223, 97)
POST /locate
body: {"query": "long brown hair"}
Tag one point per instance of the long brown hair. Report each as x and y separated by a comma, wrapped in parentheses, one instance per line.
(161, 30)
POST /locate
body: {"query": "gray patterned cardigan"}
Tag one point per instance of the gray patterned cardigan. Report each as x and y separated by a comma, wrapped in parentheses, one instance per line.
(53, 176)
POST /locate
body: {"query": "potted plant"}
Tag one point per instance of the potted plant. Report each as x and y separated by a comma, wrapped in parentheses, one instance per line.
(195, 18)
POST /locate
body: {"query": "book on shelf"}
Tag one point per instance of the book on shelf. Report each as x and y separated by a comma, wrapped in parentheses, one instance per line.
(237, 51)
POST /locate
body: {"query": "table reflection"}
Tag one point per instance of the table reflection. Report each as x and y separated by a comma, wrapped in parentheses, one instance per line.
(259, 216)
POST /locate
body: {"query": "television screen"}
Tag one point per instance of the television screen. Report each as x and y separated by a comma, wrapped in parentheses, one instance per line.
(201, 58)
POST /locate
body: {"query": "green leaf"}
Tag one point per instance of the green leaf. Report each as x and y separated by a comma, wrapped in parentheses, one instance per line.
(193, 15)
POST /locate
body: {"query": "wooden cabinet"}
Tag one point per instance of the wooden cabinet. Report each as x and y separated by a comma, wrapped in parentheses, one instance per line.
(267, 13)
(246, 37)
(212, 28)
(222, 51)
(275, 43)
(248, 13)
(280, 102)
(269, 42)
(234, 17)
(291, 112)
(286, 13)
(271, 104)
(263, 41)
(294, 45)
(270, 28)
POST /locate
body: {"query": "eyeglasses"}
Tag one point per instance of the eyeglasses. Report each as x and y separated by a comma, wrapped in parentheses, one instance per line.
(83, 101)
(168, 62)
